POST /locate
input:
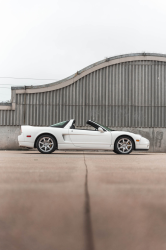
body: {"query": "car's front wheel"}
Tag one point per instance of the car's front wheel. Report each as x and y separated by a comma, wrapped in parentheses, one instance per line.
(46, 144)
(124, 145)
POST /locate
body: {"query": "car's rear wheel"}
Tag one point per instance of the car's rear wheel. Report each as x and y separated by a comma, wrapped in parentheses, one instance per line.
(124, 145)
(46, 144)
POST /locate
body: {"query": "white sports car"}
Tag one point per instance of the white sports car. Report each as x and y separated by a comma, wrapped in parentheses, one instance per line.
(65, 135)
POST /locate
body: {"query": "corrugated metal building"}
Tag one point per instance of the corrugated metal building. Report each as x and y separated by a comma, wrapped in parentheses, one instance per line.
(127, 91)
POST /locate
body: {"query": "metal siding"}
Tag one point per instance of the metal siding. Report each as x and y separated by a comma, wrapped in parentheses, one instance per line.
(130, 94)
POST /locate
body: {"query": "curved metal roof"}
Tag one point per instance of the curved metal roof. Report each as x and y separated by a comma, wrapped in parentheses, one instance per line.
(95, 66)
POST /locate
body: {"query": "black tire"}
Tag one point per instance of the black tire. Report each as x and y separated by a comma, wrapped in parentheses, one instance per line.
(124, 145)
(48, 142)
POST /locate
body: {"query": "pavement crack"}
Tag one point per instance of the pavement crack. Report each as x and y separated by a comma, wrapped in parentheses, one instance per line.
(88, 224)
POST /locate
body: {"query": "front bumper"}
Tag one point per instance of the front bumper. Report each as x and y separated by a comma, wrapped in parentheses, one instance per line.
(143, 145)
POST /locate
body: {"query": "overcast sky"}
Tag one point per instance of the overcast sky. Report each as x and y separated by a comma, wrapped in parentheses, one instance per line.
(51, 39)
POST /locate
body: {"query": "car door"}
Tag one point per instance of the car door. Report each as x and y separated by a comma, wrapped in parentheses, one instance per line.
(90, 139)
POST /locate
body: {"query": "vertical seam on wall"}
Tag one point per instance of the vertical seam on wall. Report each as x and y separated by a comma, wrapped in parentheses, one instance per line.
(24, 103)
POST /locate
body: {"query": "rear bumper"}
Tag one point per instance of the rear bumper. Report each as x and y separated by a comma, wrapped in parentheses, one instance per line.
(26, 144)
(23, 143)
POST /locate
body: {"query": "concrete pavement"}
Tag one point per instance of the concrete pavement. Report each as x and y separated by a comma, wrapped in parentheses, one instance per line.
(82, 200)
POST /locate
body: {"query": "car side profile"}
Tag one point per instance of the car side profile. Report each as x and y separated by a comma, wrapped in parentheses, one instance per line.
(65, 135)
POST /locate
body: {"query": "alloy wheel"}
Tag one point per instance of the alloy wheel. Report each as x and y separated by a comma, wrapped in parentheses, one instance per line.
(46, 144)
(124, 145)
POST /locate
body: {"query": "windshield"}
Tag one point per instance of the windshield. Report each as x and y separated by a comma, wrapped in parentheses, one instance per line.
(108, 129)
(60, 124)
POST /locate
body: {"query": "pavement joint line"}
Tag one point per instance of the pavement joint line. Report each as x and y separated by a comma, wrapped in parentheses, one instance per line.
(88, 224)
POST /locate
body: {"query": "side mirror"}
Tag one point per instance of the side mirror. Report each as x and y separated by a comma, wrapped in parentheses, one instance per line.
(100, 129)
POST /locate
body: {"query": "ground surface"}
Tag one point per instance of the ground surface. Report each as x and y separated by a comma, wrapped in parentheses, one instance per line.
(82, 201)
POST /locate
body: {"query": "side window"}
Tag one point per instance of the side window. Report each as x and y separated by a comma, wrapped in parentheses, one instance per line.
(60, 124)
